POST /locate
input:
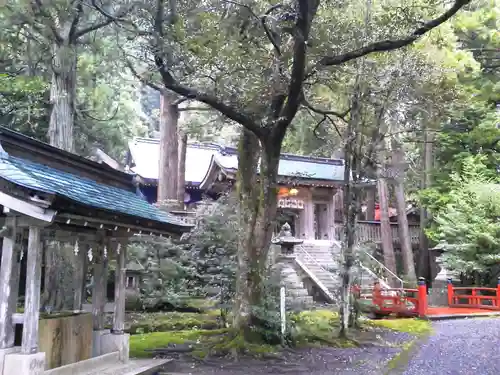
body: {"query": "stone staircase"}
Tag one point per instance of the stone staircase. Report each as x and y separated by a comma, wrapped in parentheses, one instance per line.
(320, 260)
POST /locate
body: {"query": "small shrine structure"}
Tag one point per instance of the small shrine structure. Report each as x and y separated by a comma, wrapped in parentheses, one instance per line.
(47, 194)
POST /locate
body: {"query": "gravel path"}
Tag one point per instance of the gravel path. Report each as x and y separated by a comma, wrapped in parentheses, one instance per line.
(366, 360)
(459, 347)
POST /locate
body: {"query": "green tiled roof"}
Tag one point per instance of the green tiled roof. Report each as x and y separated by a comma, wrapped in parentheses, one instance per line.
(82, 190)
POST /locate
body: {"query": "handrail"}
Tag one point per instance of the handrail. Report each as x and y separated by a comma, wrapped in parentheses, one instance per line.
(314, 278)
(300, 247)
(373, 274)
(385, 268)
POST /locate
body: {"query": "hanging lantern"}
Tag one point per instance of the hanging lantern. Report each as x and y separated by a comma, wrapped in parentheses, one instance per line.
(293, 192)
(105, 252)
(283, 192)
(90, 256)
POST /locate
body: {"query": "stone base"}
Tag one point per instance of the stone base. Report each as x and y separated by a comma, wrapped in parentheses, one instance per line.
(97, 342)
(4, 352)
(25, 364)
(116, 343)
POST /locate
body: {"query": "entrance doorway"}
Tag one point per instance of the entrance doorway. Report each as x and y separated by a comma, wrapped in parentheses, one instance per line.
(289, 216)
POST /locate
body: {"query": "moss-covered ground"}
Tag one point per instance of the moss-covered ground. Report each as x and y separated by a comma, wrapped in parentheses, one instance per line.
(204, 334)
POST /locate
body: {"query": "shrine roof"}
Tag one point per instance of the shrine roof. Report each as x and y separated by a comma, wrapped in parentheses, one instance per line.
(144, 154)
(115, 197)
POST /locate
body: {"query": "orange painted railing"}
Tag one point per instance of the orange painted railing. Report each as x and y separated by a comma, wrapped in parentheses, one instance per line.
(478, 297)
(406, 302)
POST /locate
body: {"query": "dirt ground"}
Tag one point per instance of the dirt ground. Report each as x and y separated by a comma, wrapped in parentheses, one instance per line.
(370, 358)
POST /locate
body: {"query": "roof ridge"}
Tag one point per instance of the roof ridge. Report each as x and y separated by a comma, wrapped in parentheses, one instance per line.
(231, 149)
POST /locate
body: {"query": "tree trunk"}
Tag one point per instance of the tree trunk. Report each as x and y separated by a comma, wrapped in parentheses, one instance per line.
(351, 205)
(169, 152)
(403, 229)
(258, 206)
(371, 196)
(181, 180)
(424, 258)
(385, 229)
(63, 96)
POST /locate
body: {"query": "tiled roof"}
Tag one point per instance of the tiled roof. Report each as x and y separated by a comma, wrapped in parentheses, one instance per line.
(145, 155)
(82, 190)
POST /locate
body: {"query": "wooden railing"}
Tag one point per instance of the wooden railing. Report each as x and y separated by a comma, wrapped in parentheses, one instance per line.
(369, 231)
(188, 217)
(477, 297)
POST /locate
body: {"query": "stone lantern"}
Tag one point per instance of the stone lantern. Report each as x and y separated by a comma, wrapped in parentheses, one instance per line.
(297, 297)
(286, 241)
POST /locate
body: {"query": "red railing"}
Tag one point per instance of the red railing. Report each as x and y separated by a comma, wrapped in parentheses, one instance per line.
(405, 302)
(475, 297)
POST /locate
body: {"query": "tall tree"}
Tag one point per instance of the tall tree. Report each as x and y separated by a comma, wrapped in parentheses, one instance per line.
(253, 63)
(64, 26)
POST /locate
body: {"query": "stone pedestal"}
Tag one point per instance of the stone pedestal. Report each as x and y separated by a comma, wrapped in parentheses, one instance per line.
(97, 342)
(111, 343)
(297, 296)
(25, 364)
(4, 352)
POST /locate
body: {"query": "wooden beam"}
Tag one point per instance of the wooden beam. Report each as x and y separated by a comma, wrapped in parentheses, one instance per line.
(121, 267)
(32, 300)
(104, 224)
(6, 306)
(26, 208)
(99, 290)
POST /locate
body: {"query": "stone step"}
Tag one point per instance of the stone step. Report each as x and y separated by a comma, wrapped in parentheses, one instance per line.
(133, 367)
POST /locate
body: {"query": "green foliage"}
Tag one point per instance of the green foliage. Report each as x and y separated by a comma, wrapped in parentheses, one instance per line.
(466, 224)
(416, 327)
(172, 321)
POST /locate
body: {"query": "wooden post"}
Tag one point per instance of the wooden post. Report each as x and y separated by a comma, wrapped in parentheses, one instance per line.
(99, 290)
(79, 277)
(450, 291)
(32, 299)
(119, 313)
(422, 297)
(498, 293)
(7, 308)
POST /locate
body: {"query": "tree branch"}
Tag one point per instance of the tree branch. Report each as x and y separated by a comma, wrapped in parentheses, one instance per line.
(389, 45)
(324, 112)
(37, 7)
(76, 20)
(306, 12)
(109, 18)
(171, 84)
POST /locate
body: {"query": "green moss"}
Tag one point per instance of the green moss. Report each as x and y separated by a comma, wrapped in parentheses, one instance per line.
(415, 326)
(142, 345)
(318, 327)
(172, 321)
(402, 358)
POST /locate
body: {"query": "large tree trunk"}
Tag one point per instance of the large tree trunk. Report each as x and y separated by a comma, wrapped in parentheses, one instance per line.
(403, 229)
(181, 172)
(385, 229)
(63, 96)
(169, 152)
(257, 207)
(424, 268)
(371, 197)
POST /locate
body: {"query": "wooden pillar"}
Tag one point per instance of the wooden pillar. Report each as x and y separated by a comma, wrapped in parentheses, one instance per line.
(99, 289)
(119, 313)
(308, 216)
(32, 299)
(7, 307)
(79, 278)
